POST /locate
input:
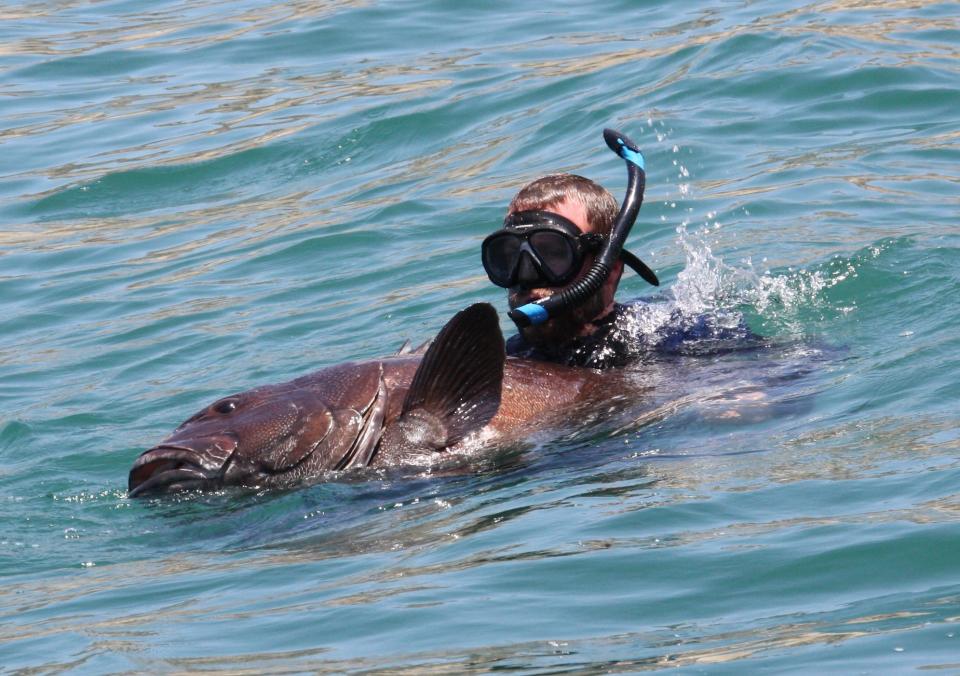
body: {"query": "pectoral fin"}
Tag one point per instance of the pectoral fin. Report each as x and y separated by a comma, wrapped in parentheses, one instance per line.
(369, 429)
(456, 389)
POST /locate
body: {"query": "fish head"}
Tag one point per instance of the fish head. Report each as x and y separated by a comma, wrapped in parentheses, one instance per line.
(271, 436)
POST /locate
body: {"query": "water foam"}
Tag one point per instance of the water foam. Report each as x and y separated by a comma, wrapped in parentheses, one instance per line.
(724, 296)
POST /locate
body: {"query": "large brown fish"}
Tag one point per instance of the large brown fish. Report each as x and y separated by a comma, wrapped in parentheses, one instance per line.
(376, 413)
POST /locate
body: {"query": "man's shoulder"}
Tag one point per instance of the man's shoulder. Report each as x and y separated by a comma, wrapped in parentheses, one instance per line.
(662, 324)
(644, 327)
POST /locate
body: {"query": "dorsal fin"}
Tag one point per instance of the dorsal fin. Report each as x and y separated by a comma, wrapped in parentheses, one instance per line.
(456, 389)
(407, 350)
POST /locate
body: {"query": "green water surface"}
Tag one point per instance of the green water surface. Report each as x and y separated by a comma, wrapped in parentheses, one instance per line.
(196, 198)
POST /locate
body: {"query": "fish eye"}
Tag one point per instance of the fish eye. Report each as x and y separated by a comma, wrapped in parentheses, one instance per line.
(225, 406)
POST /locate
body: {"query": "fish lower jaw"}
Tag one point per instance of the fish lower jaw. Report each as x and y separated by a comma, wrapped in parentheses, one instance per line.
(158, 471)
(172, 480)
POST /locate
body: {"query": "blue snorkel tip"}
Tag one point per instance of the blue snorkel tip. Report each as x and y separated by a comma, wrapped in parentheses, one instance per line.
(624, 147)
(530, 314)
(634, 156)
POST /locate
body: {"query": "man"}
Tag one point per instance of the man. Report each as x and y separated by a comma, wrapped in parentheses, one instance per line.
(578, 336)
(553, 230)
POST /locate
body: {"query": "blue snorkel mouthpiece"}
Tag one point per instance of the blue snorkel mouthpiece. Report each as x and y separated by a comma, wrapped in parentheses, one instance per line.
(580, 290)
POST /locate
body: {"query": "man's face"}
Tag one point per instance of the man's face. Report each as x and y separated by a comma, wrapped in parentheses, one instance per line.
(573, 322)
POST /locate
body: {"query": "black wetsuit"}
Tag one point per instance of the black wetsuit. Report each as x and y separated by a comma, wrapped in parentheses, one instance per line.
(633, 331)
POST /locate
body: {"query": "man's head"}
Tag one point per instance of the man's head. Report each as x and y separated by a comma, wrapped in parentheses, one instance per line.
(599, 208)
(592, 209)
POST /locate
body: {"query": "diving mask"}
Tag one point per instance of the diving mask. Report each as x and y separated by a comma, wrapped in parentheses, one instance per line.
(537, 249)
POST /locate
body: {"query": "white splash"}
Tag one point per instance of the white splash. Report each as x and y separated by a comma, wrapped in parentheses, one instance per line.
(727, 293)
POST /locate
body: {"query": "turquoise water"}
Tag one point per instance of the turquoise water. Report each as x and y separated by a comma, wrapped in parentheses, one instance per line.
(198, 198)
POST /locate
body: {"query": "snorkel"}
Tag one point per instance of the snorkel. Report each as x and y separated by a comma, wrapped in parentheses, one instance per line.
(576, 293)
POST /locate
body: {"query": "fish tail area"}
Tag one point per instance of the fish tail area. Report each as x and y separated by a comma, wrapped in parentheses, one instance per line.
(457, 387)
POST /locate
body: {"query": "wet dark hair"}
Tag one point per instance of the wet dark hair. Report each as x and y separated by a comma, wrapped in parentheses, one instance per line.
(548, 191)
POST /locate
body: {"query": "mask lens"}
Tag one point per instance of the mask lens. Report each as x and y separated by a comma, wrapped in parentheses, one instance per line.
(500, 256)
(555, 251)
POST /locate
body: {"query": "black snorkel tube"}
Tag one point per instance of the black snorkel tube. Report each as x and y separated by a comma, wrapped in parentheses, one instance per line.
(576, 293)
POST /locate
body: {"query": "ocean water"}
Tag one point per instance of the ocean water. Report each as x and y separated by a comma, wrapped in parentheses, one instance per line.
(196, 198)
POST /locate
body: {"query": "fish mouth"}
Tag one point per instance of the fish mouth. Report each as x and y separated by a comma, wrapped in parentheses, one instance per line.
(169, 468)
